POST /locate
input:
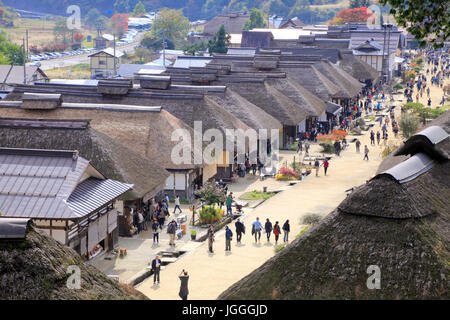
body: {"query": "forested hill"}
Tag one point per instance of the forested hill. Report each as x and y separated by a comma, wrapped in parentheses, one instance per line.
(193, 9)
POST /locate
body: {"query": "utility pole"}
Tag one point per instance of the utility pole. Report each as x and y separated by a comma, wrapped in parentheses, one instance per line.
(164, 48)
(388, 53)
(27, 43)
(114, 45)
(24, 62)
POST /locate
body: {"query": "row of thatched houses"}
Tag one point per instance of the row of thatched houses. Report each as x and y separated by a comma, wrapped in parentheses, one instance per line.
(128, 123)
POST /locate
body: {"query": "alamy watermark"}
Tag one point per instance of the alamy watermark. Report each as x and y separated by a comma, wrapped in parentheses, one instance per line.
(74, 19)
(74, 280)
(374, 280)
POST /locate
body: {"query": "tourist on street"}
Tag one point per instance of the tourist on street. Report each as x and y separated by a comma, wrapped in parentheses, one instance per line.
(171, 230)
(184, 291)
(256, 230)
(286, 229)
(155, 229)
(177, 204)
(366, 153)
(395, 130)
(316, 166)
(156, 268)
(276, 231)
(210, 238)
(300, 146)
(166, 200)
(240, 229)
(268, 229)
(161, 217)
(385, 137)
(337, 147)
(325, 165)
(228, 238)
(307, 145)
(372, 137)
(429, 102)
(358, 143)
(378, 137)
(229, 201)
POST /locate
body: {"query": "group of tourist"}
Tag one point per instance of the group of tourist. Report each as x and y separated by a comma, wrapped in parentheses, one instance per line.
(257, 230)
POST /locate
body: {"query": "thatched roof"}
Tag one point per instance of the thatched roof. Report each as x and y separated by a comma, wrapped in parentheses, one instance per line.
(111, 158)
(233, 23)
(403, 228)
(41, 263)
(145, 132)
(247, 112)
(358, 69)
(270, 100)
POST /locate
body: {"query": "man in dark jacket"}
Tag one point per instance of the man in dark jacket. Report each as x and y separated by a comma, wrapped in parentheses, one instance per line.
(171, 230)
(228, 238)
(286, 229)
(156, 268)
(268, 228)
(240, 229)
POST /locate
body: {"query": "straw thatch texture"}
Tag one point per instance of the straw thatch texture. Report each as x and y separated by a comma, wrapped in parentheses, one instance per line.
(358, 69)
(271, 101)
(312, 79)
(246, 111)
(111, 158)
(404, 229)
(147, 133)
(35, 268)
(349, 86)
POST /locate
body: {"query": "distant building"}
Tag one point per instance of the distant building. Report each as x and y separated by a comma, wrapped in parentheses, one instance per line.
(104, 41)
(102, 63)
(233, 23)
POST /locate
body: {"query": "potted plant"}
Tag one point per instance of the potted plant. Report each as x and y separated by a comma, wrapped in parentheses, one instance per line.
(193, 234)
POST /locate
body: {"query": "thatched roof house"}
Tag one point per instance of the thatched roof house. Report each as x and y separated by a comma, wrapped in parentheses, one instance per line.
(357, 68)
(23, 129)
(233, 23)
(42, 262)
(398, 222)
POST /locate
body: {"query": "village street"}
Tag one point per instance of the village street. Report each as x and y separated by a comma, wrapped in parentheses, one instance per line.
(211, 274)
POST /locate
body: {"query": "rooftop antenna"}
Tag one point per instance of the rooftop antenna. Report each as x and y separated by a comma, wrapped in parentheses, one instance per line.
(24, 62)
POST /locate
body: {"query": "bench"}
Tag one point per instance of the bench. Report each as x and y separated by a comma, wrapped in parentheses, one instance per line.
(181, 218)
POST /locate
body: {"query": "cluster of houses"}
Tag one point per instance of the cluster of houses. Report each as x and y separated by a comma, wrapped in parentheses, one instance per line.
(78, 156)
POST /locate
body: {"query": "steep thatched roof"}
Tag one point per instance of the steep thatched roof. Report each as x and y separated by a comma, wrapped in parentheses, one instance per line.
(270, 100)
(358, 69)
(349, 86)
(233, 23)
(311, 78)
(297, 93)
(145, 132)
(35, 268)
(247, 112)
(111, 158)
(402, 228)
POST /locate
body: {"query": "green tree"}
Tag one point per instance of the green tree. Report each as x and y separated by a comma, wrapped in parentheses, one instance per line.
(256, 20)
(9, 52)
(220, 42)
(143, 54)
(171, 23)
(92, 16)
(151, 42)
(195, 49)
(139, 9)
(428, 21)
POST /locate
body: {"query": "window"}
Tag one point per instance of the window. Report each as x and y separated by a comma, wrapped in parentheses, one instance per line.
(102, 62)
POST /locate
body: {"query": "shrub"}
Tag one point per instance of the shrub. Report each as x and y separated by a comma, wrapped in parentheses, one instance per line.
(311, 218)
(388, 150)
(210, 214)
(398, 86)
(303, 231)
(279, 248)
(327, 147)
(409, 124)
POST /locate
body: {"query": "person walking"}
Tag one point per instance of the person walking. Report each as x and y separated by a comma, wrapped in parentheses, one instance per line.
(286, 229)
(300, 146)
(268, 229)
(325, 165)
(155, 229)
(372, 137)
(177, 204)
(240, 229)
(385, 137)
(228, 238)
(358, 143)
(307, 145)
(210, 238)
(276, 231)
(228, 202)
(256, 229)
(366, 153)
(184, 291)
(316, 166)
(156, 268)
(171, 230)
(378, 137)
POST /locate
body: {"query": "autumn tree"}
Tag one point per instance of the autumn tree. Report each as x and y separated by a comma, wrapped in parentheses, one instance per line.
(354, 15)
(120, 23)
(78, 37)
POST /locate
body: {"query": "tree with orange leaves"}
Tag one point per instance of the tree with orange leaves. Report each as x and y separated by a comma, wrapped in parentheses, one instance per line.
(353, 15)
(120, 23)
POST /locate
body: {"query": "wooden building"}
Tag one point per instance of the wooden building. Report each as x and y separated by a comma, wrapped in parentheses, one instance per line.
(104, 63)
